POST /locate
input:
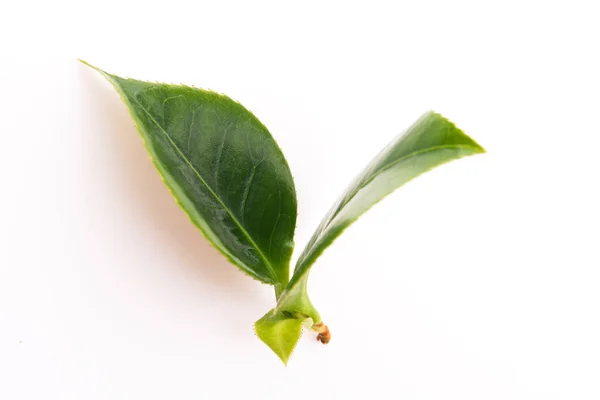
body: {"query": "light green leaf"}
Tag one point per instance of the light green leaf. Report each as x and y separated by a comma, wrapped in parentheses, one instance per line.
(430, 142)
(280, 332)
(223, 168)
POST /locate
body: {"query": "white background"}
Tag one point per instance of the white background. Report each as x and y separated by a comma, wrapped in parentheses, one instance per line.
(479, 280)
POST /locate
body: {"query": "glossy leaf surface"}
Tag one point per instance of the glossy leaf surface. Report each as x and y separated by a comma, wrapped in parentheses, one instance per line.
(224, 169)
(428, 143)
(431, 141)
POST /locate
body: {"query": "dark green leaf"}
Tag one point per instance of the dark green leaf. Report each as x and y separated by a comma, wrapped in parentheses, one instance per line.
(430, 142)
(223, 168)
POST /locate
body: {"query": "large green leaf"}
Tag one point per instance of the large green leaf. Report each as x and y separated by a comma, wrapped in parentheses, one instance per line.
(223, 168)
(430, 142)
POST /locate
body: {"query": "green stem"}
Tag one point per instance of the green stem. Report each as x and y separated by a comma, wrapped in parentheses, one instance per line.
(295, 301)
(282, 281)
(279, 287)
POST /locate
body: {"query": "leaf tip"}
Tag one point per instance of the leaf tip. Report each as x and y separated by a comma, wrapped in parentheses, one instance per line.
(102, 72)
(87, 63)
(475, 147)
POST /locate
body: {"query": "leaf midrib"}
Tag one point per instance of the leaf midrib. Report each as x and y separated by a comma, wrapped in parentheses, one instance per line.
(233, 218)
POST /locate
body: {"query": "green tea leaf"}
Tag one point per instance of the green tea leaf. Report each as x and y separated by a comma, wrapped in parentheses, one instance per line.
(223, 168)
(430, 142)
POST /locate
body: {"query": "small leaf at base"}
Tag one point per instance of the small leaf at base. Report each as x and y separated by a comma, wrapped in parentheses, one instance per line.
(280, 332)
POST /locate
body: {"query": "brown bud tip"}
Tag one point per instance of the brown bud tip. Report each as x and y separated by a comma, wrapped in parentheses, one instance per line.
(324, 336)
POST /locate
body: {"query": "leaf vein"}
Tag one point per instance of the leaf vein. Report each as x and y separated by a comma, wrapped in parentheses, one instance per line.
(247, 192)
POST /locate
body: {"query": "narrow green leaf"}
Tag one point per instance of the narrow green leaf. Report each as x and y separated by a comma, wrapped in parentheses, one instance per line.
(428, 143)
(224, 169)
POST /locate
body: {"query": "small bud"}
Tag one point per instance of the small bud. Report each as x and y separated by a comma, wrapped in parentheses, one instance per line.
(324, 336)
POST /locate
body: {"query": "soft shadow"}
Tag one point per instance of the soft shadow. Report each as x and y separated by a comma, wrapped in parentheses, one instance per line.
(147, 196)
